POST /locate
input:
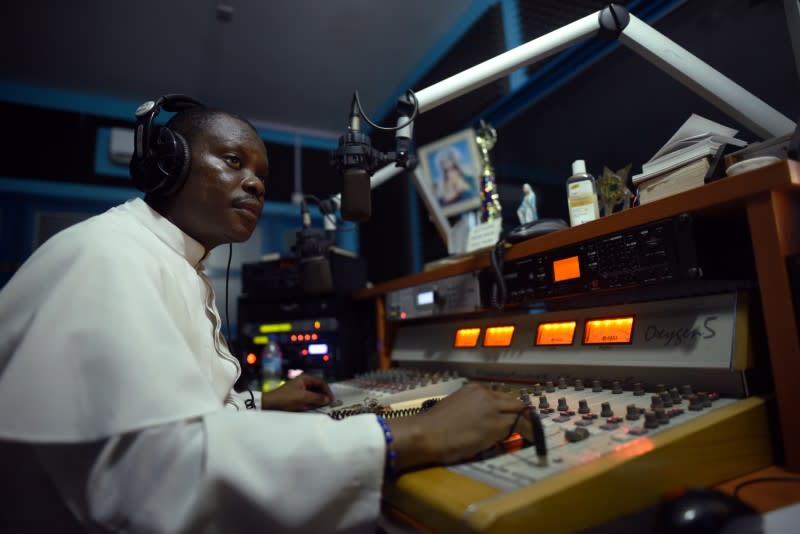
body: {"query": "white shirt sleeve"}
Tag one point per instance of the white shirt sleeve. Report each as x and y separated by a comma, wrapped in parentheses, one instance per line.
(227, 472)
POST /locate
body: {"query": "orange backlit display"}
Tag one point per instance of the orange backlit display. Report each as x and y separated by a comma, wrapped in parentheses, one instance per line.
(466, 337)
(555, 333)
(566, 269)
(611, 330)
(498, 336)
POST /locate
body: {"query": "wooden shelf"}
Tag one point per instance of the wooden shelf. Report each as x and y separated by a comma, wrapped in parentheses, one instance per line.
(728, 192)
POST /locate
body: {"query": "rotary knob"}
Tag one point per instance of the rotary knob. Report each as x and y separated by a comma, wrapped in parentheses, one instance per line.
(695, 403)
(632, 412)
(656, 402)
(650, 420)
(661, 416)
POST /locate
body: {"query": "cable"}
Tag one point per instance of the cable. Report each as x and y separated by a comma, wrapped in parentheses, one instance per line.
(227, 279)
(340, 224)
(750, 482)
(323, 208)
(497, 259)
(539, 441)
(250, 403)
(388, 128)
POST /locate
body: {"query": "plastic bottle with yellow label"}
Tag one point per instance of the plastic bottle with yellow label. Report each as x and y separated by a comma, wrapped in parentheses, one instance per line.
(581, 195)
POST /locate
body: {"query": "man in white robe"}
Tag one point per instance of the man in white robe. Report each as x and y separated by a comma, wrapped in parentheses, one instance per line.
(116, 404)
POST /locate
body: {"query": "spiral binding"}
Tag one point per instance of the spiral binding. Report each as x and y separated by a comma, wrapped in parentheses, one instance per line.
(383, 411)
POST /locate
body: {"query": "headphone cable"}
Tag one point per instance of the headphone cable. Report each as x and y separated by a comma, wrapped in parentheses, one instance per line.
(250, 403)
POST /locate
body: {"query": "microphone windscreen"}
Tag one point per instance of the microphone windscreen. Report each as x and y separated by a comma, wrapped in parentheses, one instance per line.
(316, 275)
(356, 203)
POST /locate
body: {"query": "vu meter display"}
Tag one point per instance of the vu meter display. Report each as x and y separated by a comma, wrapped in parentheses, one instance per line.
(466, 338)
(555, 333)
(566, 269)
(610, 330)
(498, 336)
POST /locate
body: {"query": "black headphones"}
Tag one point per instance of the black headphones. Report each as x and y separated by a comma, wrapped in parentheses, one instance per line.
(161, 158)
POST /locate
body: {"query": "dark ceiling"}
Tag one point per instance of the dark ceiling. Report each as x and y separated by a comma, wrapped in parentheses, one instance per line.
(293, 64)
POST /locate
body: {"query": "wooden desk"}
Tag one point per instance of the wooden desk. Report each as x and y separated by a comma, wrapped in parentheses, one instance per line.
(766, 495)
(767, 200)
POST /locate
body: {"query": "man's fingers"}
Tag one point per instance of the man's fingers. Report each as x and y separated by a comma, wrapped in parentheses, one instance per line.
(315, 399)
(318, 384)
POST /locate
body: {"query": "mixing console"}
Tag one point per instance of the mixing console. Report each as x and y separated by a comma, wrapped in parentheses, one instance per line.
(609, 384)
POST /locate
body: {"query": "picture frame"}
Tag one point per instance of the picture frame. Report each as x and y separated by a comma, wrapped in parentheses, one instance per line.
(452, 168)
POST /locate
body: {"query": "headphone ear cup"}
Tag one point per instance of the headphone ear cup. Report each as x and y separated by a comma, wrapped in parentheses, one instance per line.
(173, 161)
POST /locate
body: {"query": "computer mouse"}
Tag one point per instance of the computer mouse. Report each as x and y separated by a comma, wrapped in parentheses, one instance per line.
(705, 510)
(535, 228)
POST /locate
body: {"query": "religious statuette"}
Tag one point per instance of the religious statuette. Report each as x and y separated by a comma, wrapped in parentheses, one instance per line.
(486, 137)
(527, 211)
(612, 190)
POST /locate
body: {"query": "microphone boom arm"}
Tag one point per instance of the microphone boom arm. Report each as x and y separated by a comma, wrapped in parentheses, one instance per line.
(700, 77)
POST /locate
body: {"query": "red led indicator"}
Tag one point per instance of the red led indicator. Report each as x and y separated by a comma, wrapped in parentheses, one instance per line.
(251, 358)
(403, 315)
(326, 358)
(293, 338)
(314, 337)
(305, 352)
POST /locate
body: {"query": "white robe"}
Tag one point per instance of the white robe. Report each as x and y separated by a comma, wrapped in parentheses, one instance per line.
(114, 374)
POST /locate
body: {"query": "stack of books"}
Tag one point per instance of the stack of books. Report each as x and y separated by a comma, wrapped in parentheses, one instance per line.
(686, 160)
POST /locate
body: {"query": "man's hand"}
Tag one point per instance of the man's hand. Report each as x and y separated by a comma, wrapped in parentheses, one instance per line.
(465, 423)
(298, 394)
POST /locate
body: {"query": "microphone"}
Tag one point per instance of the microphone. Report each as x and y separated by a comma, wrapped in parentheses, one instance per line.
(356, 159)
(356, 198)
(311, 247)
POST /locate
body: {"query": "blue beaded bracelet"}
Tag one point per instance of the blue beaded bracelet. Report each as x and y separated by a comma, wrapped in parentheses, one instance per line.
(391, 454)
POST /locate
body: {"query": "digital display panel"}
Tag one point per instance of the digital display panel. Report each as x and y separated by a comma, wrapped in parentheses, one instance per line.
(425, 298)
(466, 338)
(608, 331)
(561, 333)
(566, 269)
(275, 327)
(498, 336)
(318, 348)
